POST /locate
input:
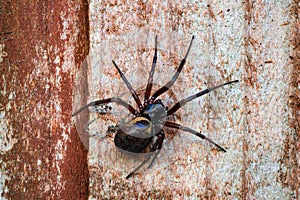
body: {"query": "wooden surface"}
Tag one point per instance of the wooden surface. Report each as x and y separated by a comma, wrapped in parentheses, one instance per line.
(41, 155)
(43, 45)
(254, 120)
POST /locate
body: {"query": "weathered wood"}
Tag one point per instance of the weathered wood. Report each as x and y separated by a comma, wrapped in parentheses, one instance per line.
(256, 120)
(42, 43)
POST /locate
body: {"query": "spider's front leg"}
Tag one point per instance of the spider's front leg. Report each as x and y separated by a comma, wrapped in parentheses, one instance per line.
(151, 73)
(109, 100)
(199, 94)
(128, 85)
(174, 78)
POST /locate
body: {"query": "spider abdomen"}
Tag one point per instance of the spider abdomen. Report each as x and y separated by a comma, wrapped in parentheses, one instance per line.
(135, 135)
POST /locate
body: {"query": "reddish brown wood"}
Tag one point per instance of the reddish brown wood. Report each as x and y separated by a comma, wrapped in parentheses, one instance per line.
(43, 42)
(291, 177)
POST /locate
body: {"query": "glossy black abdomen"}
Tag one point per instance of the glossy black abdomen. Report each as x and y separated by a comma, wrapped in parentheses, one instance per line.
(130, 143)
(135, 135)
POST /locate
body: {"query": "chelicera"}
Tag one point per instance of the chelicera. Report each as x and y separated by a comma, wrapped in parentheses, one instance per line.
(151, 117)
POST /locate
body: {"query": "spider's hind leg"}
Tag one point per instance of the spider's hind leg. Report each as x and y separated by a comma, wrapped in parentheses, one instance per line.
(156, 147)
(186, 129)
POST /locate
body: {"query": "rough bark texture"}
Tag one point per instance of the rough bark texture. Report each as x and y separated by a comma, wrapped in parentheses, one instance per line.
(257, 120)
(42, 43)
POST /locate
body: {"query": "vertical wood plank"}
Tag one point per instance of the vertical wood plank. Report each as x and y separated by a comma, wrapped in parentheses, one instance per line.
(42, 43)
(249, 41)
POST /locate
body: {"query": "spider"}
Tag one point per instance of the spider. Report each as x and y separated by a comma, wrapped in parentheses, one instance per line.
(152, 116)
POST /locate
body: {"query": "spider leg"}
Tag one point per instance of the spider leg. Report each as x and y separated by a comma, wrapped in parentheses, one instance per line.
(133, 93)
(174, 78)
(151, 73)
(161, 138)
(190, 98)
(156, 146)
(186, 129)
(104, 101)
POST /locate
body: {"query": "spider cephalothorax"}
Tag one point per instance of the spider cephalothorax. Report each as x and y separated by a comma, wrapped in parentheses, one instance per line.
(152, 116)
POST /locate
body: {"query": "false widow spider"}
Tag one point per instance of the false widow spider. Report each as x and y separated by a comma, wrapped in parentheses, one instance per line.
(152, 116)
